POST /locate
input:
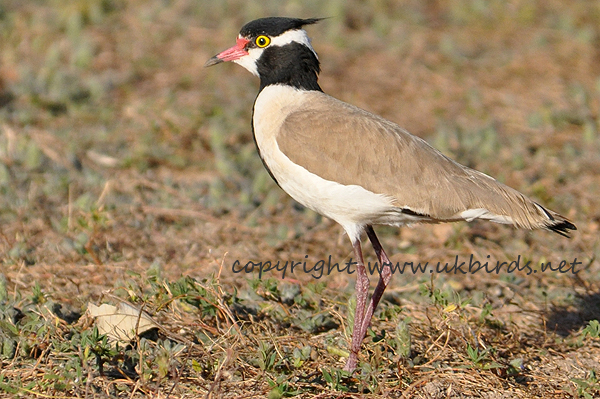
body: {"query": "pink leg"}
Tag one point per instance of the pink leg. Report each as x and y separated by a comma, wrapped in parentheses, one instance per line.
(384, 280)
(362, 290)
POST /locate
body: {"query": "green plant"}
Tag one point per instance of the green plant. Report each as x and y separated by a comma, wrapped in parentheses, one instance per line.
(281, 388)
(335, 378)
(480, 359)
(267, 356)
(588, 388)
(592, 329)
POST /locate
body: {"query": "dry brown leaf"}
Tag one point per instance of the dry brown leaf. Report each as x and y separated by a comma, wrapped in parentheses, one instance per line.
(122, 322)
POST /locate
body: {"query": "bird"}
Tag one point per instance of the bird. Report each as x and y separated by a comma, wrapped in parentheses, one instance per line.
(355, 167)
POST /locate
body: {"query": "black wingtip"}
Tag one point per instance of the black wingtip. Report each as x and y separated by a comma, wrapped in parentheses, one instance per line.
(563, 227)
(557, 223)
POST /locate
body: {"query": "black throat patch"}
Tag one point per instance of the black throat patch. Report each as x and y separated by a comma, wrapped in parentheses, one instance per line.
(293, 64)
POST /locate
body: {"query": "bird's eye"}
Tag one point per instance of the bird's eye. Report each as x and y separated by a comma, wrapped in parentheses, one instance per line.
(262, 41)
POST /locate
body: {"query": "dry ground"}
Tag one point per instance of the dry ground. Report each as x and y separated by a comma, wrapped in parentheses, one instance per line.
(128, 173)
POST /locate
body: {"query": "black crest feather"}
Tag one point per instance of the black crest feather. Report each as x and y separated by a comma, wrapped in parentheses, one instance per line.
(275, 26)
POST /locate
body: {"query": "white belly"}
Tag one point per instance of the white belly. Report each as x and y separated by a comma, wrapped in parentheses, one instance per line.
(350, 205)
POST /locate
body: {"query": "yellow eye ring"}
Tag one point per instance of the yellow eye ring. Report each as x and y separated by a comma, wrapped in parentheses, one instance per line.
(262, 41)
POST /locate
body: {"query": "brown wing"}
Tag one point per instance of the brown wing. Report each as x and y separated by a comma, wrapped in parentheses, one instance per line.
(343, 143)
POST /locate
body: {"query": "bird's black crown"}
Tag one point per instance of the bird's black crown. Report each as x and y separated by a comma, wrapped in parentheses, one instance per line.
(274, 26)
